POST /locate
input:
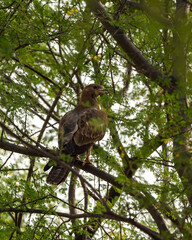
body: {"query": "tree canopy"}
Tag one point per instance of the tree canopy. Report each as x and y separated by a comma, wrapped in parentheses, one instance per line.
(140, 186)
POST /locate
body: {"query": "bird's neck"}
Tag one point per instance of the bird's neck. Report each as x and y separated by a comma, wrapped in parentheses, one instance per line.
(89, 101)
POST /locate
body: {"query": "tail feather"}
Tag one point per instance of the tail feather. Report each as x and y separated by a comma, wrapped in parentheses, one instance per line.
(57, 175)
(48, 166)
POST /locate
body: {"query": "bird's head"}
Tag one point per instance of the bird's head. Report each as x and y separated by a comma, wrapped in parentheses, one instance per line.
(95, 90)
(90, 94)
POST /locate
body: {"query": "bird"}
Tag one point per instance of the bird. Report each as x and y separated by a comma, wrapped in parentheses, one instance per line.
(79, 130)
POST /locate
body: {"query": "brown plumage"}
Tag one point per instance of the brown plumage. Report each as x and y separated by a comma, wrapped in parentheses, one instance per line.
(79, 129)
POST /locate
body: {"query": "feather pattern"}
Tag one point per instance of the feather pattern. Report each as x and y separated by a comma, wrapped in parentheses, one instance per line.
(92, 124)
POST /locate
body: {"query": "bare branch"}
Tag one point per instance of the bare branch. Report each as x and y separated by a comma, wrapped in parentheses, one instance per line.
(37, 72)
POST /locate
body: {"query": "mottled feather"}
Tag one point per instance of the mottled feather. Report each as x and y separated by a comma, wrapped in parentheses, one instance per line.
(91, 127)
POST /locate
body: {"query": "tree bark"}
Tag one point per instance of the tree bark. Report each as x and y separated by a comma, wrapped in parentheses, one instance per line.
(181, 149)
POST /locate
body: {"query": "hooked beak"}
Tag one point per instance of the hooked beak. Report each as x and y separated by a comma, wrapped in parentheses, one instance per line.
(103, 90)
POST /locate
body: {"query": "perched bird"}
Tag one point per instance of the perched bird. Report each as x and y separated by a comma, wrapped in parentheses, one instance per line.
(79, 129)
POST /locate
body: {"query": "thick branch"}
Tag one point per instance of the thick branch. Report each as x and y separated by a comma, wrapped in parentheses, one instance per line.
(19, 149)
(141, 63)
(88, 167)
(112, 216)
(38, 153)
(181, 142)
(91, 169)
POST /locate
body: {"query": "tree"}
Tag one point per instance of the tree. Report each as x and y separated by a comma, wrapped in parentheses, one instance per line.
(141, 52)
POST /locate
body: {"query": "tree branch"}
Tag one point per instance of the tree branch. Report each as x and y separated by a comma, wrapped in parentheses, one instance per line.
(37, 72)
(88, 168)
(49, 116)
(141, 63)
(111, 216)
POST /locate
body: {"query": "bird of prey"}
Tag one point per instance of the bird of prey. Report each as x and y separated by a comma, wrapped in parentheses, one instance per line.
(79, 129)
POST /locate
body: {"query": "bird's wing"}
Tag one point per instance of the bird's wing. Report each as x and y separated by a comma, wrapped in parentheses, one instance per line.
(67, 127)
(92, 124)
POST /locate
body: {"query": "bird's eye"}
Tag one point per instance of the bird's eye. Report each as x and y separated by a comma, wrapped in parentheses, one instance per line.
(95, 87)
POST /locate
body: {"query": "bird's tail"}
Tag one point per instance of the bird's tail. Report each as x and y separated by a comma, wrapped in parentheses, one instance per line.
(57, 175)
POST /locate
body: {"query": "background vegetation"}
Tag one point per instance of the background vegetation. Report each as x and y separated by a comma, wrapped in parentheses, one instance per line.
(141, 184)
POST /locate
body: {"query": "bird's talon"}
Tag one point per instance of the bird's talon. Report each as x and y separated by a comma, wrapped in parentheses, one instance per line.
(87, 161)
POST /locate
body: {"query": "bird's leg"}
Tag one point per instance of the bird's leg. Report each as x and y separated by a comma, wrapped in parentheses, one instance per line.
(87, 157)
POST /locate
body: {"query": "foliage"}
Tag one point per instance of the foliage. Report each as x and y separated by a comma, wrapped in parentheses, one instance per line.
(141, 184)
